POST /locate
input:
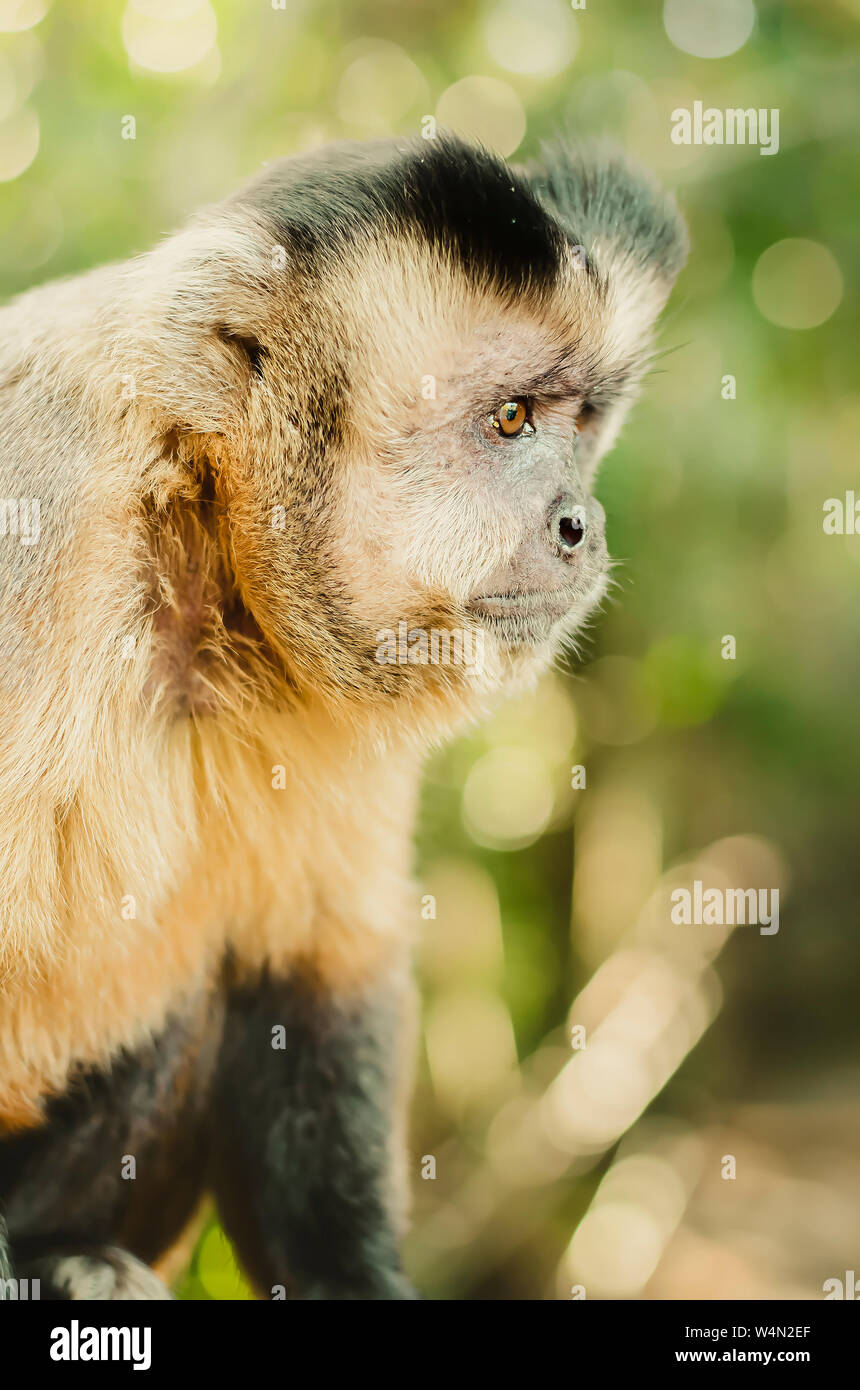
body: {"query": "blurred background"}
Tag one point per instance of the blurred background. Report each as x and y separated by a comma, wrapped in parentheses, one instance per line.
(608, 1104)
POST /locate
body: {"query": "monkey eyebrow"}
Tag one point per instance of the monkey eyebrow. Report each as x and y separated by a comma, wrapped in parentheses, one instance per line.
(572, 376)
(564, 377)
(566, 374)
(569, 379)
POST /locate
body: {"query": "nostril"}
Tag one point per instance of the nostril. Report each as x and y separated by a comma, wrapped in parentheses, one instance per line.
(571, 531)
(568, 525)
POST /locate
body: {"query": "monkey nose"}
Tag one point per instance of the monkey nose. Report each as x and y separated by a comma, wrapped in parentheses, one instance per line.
(567, 521)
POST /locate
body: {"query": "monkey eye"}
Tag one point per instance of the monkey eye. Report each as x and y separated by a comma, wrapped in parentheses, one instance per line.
(513, 418)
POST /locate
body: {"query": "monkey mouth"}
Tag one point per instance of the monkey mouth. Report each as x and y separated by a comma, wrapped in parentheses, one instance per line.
(527, 617)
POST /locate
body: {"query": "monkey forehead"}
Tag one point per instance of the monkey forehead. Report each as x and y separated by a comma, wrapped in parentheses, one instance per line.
(420, 327)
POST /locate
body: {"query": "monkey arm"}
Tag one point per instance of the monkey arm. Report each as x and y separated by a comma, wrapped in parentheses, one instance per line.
(307, 1151)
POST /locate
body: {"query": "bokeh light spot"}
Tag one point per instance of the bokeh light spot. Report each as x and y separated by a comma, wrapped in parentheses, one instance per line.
(508, 798)
(709, 28)
(378, 89)
(616, 1249)
(17, 15)
(169, 43)
(797, 284)
(538, 39)
(470, 1045)
(485, 110)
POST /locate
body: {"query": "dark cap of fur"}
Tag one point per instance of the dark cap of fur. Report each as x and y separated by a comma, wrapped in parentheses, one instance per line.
(459, 198)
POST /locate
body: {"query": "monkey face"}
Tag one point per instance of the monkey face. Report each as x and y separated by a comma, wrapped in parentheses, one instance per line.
(464, 493)
(477, 420)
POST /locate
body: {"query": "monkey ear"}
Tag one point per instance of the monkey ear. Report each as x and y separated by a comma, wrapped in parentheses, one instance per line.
(253, 353)
(195, 311)
(610, 207)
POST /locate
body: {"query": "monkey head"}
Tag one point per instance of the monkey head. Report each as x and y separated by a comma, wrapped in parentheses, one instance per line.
(414, 357)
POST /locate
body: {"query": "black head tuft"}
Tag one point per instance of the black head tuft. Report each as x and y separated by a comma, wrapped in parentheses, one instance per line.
(459, 198)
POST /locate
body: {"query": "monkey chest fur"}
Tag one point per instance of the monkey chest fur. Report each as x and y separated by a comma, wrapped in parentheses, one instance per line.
(261, 851)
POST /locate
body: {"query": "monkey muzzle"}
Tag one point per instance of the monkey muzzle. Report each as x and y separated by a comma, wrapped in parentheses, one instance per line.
(553, 580)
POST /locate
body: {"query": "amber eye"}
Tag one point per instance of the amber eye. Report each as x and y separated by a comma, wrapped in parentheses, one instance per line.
(512, 419)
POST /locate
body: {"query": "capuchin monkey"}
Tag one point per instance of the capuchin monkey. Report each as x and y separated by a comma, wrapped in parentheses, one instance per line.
(285, 502)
